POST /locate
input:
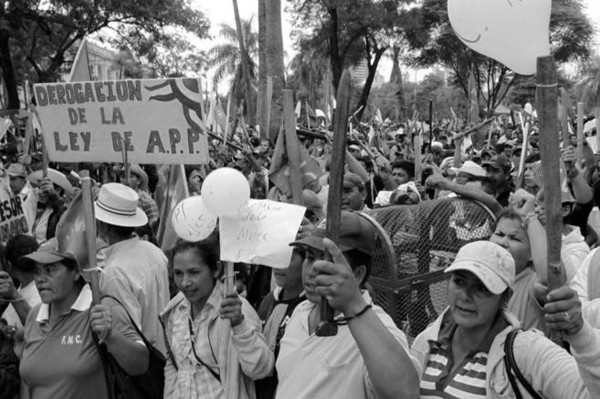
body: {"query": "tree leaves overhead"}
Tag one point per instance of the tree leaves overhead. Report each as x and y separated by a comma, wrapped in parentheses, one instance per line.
(434, 42)
(43, 32)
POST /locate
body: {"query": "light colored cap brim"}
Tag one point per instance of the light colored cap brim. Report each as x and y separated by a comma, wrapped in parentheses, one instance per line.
(137, 220)
(491, 280)
(46, 258)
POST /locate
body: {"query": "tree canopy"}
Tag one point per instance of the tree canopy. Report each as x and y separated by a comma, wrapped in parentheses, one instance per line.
(434, 43)
(38, 35)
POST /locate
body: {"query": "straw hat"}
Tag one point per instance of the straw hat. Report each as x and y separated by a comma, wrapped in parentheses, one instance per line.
(117, 205)
(55, 177)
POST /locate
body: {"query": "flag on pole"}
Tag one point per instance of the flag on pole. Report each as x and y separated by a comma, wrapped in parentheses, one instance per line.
(176, 191)
(80, 71)
(473, 116)
(279, 173)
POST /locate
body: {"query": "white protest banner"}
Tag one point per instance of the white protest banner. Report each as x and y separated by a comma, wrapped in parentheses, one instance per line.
(159, 120)
(513, 32)
(261, 233)
(12, 216)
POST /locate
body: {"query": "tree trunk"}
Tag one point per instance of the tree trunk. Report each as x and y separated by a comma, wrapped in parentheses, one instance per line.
(364, 97)
(261, 107)
(397, 82)
(249, 106)
(275, 68)
(8, 73)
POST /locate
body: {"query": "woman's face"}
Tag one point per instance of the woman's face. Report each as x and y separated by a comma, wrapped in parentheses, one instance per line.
(55, 282)
(193, 276)
(471, 303)
(509, 234)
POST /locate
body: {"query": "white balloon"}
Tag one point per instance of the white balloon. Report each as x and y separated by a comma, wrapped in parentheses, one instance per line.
(513, 32)
(192, 221)
(224, 191)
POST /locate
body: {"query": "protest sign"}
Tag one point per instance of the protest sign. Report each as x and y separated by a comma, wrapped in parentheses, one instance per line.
(514, 33)
(261, 233)
(12, 215)
(157, 120)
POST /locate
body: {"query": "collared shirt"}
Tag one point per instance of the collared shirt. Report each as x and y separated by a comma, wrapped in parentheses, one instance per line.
(61, 360)
(149, 207)
(314, 367)
(136, 274)
(193, 379)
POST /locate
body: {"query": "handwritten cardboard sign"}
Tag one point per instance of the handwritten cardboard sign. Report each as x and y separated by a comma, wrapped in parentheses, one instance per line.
(261, 233)
(158, 120)
(513, 32)
(12, 215)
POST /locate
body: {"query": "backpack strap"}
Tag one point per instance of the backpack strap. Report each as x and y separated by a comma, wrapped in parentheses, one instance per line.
(512, 367)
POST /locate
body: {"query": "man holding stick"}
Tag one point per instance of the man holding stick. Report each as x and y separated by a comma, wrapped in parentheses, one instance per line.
(368, 357)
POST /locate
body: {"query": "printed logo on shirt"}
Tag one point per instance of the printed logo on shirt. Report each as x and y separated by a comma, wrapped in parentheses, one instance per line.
(71, 340)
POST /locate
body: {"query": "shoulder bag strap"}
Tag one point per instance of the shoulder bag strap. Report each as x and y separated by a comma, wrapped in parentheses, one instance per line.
(168, 345)
(511, 366)
(146, 342)
(107, 368)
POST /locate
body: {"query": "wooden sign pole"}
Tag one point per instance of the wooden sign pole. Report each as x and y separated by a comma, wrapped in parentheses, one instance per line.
(547, 103)
(336, 183)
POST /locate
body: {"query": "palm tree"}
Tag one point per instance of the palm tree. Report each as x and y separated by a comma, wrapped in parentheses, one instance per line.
(226, 57)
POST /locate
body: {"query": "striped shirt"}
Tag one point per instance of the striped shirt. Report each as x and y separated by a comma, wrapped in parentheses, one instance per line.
(441, 379)
(467, 381)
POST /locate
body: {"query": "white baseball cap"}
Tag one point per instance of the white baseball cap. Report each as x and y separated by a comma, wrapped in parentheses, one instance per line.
(493, 265)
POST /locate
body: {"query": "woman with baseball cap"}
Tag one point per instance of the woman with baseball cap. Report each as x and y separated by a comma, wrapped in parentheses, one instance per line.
(61, 358)
(473, 349)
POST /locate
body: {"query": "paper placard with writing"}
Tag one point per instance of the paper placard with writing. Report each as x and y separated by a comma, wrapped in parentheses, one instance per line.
(261, 233)
(13, 220)
(158, 120)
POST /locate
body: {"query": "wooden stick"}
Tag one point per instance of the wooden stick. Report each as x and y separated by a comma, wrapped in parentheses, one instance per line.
(580, 135)
(336, 183)
(125, 161)
(472, 129)
(269, 99)
(524, 145)
(292, 148)
(229, 278)
(547, 103)
(90, 233)
(564, 117)
(417, 146)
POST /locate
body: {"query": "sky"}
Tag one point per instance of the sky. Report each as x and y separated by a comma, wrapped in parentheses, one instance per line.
(222, 12)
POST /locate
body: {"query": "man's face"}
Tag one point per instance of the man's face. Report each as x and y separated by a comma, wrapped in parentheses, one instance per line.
(16, 184)
(496, 174)
(352, 197)
(309, 275)
(400, 176)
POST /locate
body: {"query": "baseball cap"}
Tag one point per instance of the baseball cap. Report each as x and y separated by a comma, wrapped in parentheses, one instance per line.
(48, 253)
(17, 170)
(499, 161)
(493, 265)
(470, 168)
(355, 233)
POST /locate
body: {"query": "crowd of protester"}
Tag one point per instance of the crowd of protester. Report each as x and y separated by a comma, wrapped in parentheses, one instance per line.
(259, 341)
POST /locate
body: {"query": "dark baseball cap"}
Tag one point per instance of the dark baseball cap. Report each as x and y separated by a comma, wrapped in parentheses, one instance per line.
(48, 253)
(356, 232)
(499, 162)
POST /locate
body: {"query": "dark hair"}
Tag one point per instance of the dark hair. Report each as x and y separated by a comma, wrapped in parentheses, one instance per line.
(508, 214)
(207, 249)
(408, 166)
(18, 246)
(356, 259)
